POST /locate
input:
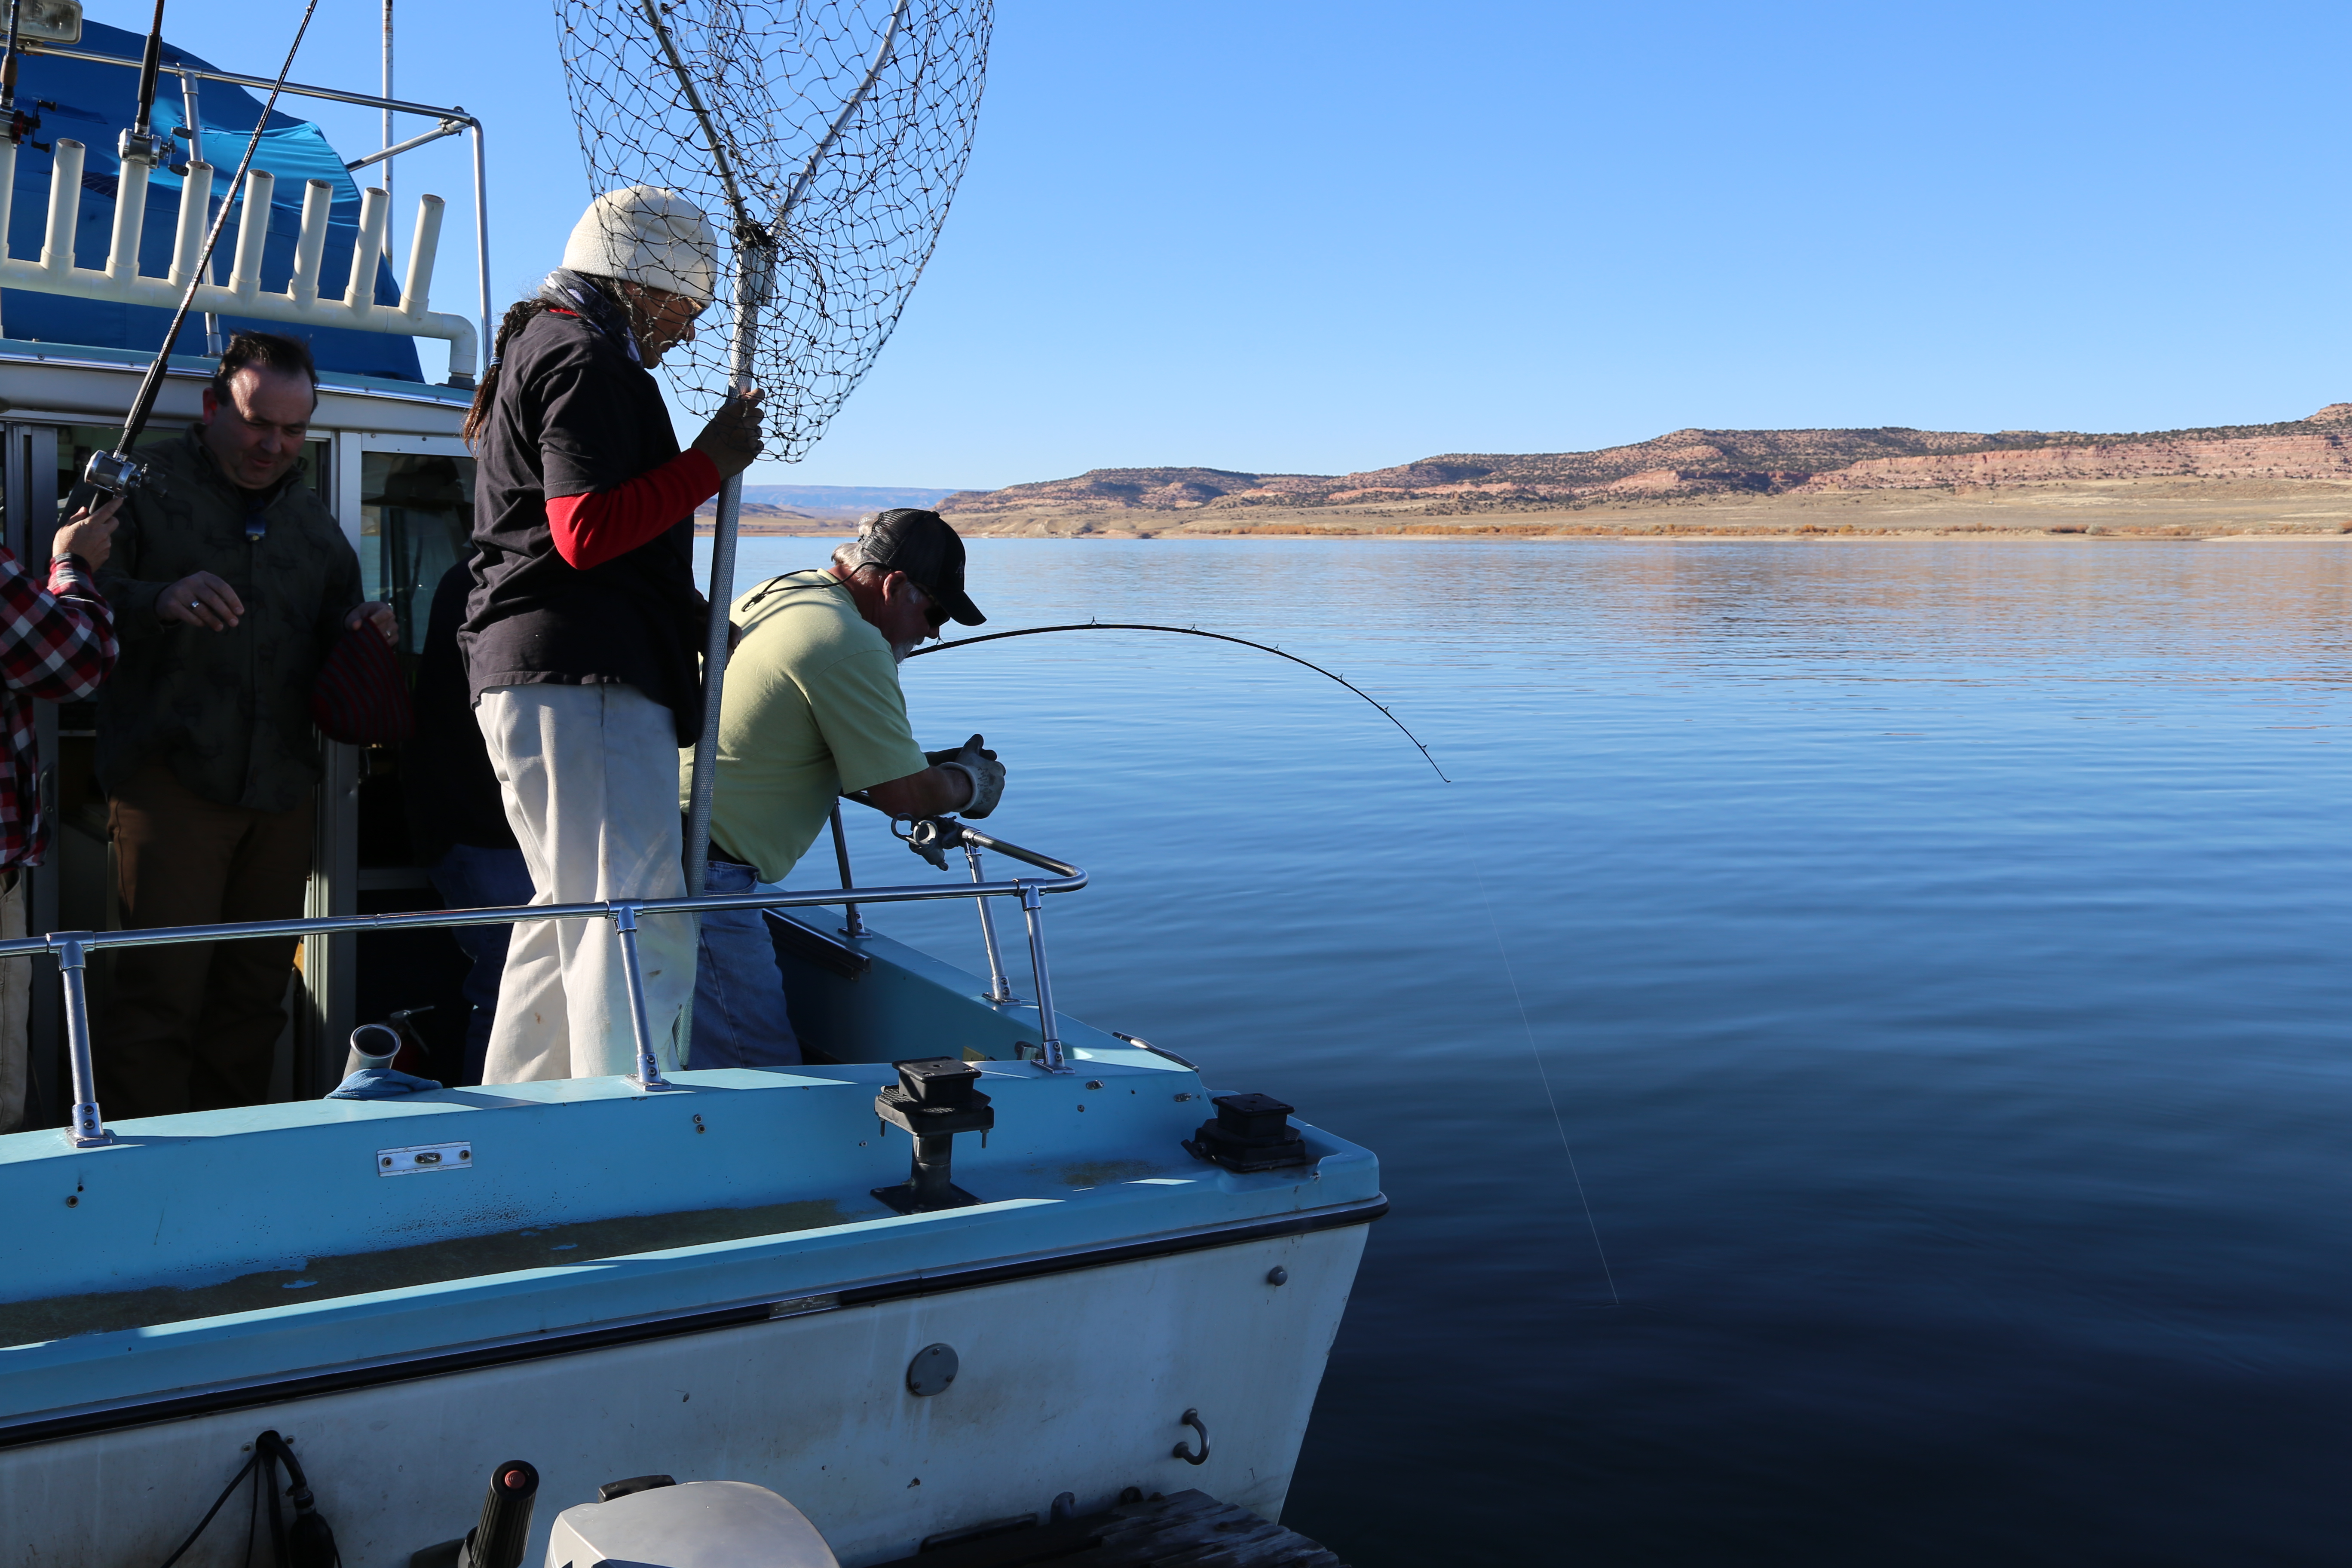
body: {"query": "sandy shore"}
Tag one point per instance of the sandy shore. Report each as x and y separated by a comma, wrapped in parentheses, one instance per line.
(2126, 508)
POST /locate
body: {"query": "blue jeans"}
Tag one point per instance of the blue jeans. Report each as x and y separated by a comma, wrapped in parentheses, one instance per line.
(738, 990)
(472, 878)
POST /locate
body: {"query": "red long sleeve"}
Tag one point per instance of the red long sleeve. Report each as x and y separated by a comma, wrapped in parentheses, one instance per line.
(604, 525)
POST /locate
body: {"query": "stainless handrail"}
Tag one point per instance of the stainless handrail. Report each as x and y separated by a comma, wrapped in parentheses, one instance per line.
(332, 94)
(850, 924)
(72, 948)
(999, 988)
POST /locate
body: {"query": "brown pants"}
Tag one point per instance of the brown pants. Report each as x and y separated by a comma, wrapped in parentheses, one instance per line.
(194, 1025)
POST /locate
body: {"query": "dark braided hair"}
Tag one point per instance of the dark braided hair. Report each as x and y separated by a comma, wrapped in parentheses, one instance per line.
(552, 296)
(517, 316)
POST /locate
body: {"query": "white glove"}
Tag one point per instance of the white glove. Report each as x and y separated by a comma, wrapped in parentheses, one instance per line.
(981, 766)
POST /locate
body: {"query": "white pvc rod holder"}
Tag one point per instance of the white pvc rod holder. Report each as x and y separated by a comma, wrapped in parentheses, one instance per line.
(64, 207)
(417, 291)
(129, 219)
(375, 207)
(310, 249)
(8, 183)
(195, 211)
(252, 232)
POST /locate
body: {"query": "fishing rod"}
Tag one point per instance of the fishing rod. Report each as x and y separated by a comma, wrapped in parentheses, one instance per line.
(1214, 637)
(115, 472)
(8, 58)
(141, 141)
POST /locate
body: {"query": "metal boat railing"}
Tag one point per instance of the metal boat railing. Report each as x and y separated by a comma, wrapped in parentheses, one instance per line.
(72, 948)
(120, 281)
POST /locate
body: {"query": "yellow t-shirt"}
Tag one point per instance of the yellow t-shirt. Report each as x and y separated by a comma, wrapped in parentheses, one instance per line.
(812, 708)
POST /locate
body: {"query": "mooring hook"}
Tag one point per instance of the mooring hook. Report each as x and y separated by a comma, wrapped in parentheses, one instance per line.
(1185, 1450)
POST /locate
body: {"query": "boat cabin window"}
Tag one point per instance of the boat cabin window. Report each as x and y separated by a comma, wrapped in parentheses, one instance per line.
(416, 514)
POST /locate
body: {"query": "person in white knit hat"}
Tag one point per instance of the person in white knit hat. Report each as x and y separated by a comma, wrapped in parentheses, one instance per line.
(583, 630)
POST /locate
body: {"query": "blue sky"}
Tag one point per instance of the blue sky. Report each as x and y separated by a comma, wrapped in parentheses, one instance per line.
(1318, 237)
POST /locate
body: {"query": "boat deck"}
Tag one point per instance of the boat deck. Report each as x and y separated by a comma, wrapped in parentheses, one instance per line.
(264, 1244)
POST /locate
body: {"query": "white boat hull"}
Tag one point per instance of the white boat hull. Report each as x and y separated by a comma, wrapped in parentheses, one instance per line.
(1072, 1382)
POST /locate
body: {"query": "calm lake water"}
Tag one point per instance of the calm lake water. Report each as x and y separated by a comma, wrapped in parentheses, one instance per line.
(1936, 956)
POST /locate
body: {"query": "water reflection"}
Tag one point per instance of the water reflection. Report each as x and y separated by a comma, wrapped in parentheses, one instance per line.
(1937, 952)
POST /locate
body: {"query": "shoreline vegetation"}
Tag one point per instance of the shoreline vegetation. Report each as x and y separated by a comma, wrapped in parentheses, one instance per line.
(2290, 480)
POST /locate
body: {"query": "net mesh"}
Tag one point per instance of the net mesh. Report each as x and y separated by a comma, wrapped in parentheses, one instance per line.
(841, 171)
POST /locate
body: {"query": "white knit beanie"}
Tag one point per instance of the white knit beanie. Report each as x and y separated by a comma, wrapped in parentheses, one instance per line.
(649, 235)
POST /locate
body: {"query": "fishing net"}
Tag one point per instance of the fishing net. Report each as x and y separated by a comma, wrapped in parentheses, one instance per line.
(823, 138)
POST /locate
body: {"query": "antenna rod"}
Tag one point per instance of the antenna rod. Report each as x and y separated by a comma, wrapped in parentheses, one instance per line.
(114, 471)
(391, 212)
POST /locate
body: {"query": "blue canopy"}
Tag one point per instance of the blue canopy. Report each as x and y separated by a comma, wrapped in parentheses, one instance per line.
(92, 104)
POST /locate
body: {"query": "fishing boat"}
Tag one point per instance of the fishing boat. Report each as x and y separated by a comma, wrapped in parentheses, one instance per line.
(977, 1267)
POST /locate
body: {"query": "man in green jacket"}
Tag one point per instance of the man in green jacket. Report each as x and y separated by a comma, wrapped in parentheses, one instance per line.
(230, 583)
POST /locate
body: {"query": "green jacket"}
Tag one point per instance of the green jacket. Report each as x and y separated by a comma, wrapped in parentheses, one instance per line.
(229, 711)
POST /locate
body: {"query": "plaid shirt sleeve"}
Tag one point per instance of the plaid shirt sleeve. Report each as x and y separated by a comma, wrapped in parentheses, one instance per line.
(55, 642)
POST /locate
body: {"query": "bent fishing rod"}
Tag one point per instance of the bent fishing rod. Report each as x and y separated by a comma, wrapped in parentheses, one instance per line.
(1197, 632)
(115, 472)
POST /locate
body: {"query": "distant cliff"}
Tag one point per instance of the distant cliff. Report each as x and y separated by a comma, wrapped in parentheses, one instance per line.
(1698, 464)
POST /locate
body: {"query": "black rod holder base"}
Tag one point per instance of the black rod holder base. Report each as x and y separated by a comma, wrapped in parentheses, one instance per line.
(928, 1188)
(934, 1100)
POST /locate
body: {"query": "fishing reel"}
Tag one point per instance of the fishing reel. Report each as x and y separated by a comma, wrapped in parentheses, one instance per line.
(19, 127)
(929, 836)
(146, 146)
(109, 474)
(114, 473)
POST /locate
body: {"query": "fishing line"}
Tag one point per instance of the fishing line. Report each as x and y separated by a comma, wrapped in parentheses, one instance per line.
(1558, 1121)
(1197, 632)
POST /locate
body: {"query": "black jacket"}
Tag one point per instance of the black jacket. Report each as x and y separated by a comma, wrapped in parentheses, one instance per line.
(573, 415)
(453, 795)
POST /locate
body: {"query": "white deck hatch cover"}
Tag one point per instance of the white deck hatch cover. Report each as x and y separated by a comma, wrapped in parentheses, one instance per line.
(423, 1158)
(702, 1524)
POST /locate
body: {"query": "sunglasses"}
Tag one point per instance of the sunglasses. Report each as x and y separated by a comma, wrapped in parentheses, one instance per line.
(933, 611)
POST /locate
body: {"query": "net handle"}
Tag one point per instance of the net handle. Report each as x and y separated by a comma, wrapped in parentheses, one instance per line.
(840, 121)
(701, 115)
(755, 248)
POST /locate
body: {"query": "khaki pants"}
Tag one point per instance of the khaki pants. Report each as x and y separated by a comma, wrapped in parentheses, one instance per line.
(194, 1025)
(589, 776)
(16, 1006)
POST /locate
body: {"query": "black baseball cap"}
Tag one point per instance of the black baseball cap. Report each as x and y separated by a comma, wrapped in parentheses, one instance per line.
(920, 544)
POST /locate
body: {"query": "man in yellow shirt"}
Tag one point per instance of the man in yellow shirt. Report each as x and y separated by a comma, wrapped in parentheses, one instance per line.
(813, 712)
